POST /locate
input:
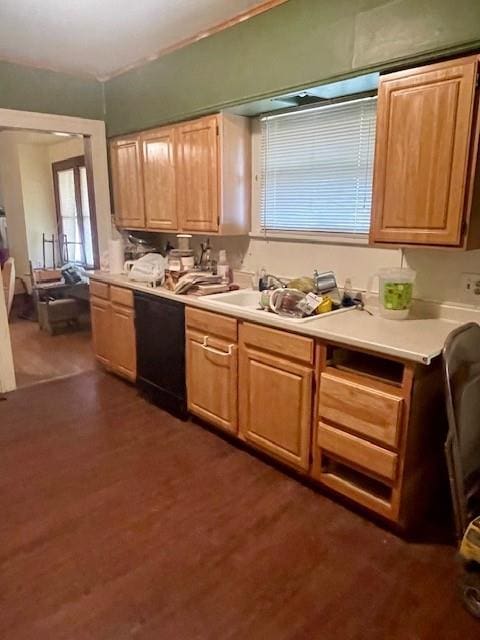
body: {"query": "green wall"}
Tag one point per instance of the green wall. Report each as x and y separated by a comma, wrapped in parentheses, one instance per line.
(299, 43)
(31, 89)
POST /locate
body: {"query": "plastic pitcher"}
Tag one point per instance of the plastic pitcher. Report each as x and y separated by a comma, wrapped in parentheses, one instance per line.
(395, 292)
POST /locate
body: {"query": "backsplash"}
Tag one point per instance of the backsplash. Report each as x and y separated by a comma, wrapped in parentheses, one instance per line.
(438, 271)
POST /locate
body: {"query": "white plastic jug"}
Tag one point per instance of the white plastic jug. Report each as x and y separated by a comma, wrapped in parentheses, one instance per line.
(395, 292)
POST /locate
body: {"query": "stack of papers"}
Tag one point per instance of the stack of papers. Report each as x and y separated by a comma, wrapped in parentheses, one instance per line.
(191, 281)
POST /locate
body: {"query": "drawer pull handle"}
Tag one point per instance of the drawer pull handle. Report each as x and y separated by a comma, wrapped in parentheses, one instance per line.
(206, 346)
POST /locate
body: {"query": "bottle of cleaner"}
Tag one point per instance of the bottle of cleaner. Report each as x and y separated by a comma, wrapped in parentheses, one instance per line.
(223, 268)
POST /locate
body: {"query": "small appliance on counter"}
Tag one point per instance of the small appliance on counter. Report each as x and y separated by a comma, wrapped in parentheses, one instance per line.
(395, 292)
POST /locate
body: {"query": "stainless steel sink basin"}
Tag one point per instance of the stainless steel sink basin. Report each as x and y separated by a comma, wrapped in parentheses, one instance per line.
(250, 299)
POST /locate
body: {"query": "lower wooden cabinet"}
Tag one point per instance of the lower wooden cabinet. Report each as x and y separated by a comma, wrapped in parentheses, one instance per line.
(101, 317)
(379, 433)
(366, 426)
(212, 380)
(275, 394)
(123, 356)
(212, 366)
(113, 329)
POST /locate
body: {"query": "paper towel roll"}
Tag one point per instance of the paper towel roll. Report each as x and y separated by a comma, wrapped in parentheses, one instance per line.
(116, 255)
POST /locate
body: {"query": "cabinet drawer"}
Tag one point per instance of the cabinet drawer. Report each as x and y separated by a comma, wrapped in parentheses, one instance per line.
(364, 454)
(288, 345)
(99, 289)
(211, 324)
(367, 410)
(119, 295)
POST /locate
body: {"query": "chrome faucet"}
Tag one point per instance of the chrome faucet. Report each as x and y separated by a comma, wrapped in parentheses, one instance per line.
(269, 281)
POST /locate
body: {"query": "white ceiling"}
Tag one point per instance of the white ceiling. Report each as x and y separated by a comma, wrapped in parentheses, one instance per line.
(21, 136)
(100, 37)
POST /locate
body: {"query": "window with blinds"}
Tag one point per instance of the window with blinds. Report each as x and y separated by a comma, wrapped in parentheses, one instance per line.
(316, 168)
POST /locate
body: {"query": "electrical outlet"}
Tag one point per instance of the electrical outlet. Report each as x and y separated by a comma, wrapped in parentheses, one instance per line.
(471, 287)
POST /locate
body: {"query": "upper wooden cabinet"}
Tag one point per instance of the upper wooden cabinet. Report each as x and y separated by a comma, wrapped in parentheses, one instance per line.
(192, 177)
(197, 171)
(158, 155)
(128, 195)
(425, 154)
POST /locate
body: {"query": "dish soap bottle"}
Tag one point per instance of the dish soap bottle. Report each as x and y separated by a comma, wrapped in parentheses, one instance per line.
(347, 299)
(223, 268)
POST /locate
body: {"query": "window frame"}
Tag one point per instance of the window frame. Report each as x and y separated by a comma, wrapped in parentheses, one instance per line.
(76, 163)
(257, 231)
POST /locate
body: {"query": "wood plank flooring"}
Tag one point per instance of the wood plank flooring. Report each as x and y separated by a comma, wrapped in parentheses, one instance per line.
(118, 521)
(39, 356)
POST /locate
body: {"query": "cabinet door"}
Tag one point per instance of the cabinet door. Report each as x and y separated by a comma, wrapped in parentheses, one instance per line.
(424, 125)
(127, 183)
(159, 179)
(101, 329)
(212, 380)
(275, 402)
(197, 175)
(123, 350)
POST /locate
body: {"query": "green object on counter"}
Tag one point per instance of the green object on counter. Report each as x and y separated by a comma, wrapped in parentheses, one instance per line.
(397, 296)
(304, 284)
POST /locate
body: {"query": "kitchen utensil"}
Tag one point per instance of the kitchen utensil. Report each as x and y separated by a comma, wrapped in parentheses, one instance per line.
(395, 289)
(181, 260)
(184, 241)
(326, 282)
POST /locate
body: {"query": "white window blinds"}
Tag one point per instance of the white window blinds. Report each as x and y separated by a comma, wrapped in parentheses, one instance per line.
(316, 168)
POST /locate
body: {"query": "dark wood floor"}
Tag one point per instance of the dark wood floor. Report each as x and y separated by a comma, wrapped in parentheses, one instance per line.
(118, 521)
(38, 356)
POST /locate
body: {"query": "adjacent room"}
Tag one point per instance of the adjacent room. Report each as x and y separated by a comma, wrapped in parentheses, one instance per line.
(46, 230)
(240, 320)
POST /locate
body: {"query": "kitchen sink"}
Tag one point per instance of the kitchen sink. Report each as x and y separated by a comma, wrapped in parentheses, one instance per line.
(243, 298)
(250, 299)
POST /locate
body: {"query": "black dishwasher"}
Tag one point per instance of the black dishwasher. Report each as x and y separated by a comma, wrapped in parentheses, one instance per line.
(160, 332)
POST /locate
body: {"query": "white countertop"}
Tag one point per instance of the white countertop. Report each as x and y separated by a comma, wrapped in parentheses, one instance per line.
(418, 339)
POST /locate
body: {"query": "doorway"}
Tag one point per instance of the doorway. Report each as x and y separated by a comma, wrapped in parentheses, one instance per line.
(47, 246)
(95, 151)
